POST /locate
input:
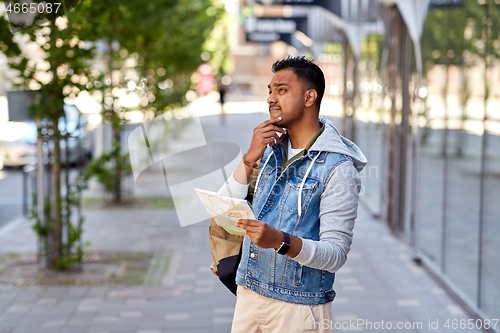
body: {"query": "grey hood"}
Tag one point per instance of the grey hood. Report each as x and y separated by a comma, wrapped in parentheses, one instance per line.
(331, 141)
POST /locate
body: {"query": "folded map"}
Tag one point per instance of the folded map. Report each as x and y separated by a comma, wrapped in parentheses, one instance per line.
(226, 211)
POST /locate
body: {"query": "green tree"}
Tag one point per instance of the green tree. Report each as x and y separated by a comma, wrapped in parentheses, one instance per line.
(165, 40)
(61, 71)
(217, 44)
(7, 44)
(371, 54)
(443, 43)
(484, 24)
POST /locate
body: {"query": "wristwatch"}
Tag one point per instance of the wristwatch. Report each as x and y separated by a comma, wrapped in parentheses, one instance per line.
(285, 245)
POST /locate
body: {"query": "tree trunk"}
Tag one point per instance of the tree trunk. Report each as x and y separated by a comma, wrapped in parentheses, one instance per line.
(392, 195)
(355, 99)
(115, 127)
(463, 113)
(445, 97)
(118, 167)
(344, 93)
(446, 115)
(56, 167)
(486, 57)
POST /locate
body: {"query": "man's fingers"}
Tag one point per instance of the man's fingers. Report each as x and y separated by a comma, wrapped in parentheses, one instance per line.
(279, 129)
(275, 139)
(272, 128)
(251, 230)
(269, 141)
(270, 138)
(269, 122)
(248, 222)
(251, 224)
(268, 134)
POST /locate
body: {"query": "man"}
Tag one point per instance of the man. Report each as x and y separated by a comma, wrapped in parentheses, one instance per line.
(221, 87)
(305, 200)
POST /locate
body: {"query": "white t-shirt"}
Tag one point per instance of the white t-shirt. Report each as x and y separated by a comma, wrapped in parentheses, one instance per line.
(292, 152)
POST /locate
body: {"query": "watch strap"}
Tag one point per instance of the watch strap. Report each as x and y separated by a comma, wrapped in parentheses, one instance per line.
(285, 245)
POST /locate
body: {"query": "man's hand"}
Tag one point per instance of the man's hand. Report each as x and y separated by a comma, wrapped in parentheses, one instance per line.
(261, 234)
(263, 135)
(265, 236)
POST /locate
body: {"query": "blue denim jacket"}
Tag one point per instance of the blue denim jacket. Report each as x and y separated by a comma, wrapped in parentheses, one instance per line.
(289, 200)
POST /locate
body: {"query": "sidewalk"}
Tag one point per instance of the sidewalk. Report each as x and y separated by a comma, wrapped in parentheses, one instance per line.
(378, 283)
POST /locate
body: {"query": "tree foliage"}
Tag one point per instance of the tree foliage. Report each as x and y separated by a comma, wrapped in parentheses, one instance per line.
(465, 36)
(148, 48)
(443, 41)
(53, 62)
(483, 19)
(164, 39)
(450, 35)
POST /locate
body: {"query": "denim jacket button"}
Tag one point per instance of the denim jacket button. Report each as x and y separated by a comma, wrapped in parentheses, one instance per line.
(252, 255)
(249, 283)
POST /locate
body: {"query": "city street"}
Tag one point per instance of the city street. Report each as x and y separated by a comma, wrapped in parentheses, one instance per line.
(161, 101)
(379, 285)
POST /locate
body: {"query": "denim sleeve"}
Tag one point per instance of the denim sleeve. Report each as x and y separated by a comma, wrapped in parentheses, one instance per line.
(338, 210)
(233, 189)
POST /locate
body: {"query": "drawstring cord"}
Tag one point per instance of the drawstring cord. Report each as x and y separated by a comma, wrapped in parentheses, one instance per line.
(263, 167)
(302, 184)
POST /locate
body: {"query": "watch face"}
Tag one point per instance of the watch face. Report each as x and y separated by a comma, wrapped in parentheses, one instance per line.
(283, 248)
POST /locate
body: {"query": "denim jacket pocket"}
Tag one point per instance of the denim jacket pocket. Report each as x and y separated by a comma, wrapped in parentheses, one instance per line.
(293, 188)
(263, 177)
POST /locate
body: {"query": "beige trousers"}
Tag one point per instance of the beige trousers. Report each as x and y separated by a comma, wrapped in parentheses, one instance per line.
(258, 314)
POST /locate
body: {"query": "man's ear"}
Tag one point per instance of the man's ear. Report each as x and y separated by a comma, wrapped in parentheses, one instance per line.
(310, 97)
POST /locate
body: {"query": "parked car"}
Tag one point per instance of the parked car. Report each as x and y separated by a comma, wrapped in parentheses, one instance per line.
(18, 143)
(18, 140)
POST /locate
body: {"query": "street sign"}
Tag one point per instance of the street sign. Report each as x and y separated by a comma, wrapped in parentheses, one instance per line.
(19, 105)
(272, 29)
(445, 3)
(288, 2)
(331, 5)
(268, 37)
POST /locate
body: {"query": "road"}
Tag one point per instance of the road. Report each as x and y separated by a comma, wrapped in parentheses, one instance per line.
(11, 192)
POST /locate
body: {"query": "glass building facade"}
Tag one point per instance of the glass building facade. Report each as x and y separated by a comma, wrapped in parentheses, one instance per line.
(436, 179)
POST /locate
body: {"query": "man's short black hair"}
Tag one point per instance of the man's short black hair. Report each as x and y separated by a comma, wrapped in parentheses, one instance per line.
(307, 71)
